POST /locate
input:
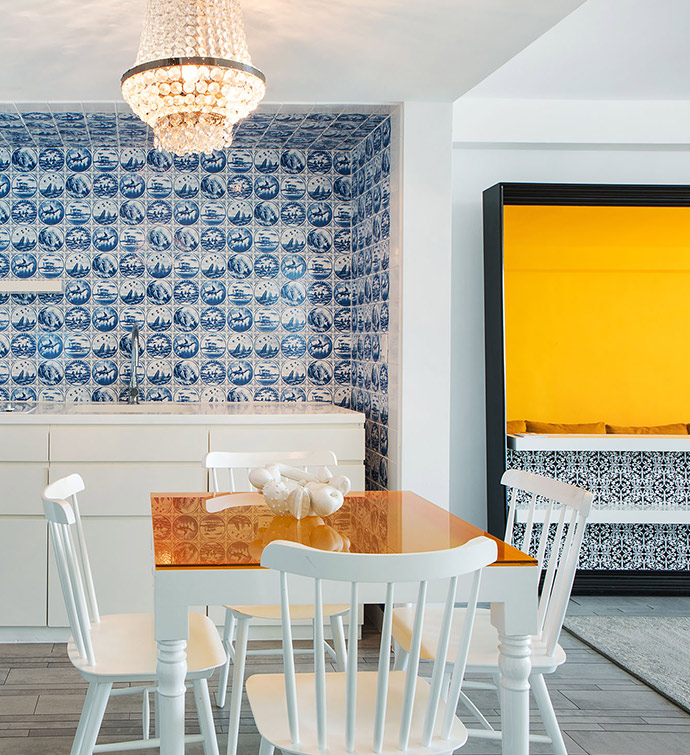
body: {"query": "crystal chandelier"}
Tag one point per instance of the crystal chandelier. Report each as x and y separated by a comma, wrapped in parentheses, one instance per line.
(193, 78)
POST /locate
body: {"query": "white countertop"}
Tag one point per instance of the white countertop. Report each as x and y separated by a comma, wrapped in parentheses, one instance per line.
(602, 442)
(165, 412)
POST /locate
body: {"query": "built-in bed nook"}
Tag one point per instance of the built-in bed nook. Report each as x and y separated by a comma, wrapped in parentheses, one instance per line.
(588, 370)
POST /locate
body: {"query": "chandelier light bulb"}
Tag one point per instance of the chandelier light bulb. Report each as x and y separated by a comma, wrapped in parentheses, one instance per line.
(193, 78)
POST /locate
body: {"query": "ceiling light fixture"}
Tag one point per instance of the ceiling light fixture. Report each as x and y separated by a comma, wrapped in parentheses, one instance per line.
(193, 79)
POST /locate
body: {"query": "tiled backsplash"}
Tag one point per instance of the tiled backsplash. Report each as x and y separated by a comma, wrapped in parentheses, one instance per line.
(258, 274)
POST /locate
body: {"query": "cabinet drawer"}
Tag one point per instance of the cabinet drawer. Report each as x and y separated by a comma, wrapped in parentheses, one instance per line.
(125, 489)
(346, 441)
(28, 443)
(21, 486)
(133, 443)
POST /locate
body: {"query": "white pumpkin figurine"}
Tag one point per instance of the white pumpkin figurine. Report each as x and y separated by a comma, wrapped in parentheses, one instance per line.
(288, 490)
(299, 502)
(325, 499)
(276, 494)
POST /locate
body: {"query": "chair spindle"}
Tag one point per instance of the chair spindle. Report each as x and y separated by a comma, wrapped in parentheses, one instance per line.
(412, 668)
(440, 663)
(319, 666)
(288, 655)
(351, 685)
(384, 669)
(458, 672)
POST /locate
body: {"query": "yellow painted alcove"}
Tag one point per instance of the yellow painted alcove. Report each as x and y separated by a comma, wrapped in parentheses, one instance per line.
(597, 314)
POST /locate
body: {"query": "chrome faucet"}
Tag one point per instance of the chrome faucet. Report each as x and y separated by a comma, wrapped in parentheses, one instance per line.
(134, 364)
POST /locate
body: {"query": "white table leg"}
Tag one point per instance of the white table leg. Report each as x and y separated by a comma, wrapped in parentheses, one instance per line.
(515, 664)
(172, 670)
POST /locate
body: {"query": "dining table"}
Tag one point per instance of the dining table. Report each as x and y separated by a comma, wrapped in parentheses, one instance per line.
(207, 551)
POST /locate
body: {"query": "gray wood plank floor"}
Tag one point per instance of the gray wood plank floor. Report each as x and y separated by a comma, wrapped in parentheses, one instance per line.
(602, 709)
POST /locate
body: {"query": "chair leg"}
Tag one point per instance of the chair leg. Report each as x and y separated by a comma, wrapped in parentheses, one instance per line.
(548, 716)
(474, 710)
(228, 636)
(400, 657)
(237, 684)
(100, 700)
(203, 709)
(156, 714)
(339, 642)
(83, 719)
(265, 748)
(497, 684)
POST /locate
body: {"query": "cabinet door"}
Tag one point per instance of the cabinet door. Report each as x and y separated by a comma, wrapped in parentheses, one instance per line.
(23, 565)
(121, 554)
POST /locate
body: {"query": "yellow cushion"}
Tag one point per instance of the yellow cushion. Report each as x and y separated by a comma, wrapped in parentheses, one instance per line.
(560, 428)
(675, 429)
(516, 426)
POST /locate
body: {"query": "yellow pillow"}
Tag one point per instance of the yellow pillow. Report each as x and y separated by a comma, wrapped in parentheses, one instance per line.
(676, 429)
(559, 428)
(516, 426)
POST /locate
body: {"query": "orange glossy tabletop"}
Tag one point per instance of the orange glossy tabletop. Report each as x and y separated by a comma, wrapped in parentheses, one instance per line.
(186, 535)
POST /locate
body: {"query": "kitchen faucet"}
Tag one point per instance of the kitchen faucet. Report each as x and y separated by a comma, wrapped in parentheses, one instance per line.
(134, 364)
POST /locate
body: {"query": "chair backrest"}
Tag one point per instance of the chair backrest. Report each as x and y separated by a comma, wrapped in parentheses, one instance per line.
(356, 568)
(564, 510)
(74, 569)
(236, 465)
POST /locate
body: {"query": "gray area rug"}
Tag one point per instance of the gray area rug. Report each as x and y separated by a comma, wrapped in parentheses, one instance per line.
(656, 650)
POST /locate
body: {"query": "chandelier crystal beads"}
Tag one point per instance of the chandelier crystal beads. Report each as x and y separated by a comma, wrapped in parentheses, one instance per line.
(193, 79)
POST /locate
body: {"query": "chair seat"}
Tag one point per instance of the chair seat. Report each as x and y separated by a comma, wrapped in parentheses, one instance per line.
(266, 693)
(483, 655)
(124, 646)
(296, 611)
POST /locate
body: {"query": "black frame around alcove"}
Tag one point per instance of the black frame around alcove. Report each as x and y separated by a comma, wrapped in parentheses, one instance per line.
(630, 582)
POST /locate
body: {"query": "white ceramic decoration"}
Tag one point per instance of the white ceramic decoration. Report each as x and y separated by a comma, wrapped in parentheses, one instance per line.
(289, 490)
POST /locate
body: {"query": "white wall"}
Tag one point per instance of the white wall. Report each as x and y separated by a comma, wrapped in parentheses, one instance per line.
(424, 433)
(582, 153)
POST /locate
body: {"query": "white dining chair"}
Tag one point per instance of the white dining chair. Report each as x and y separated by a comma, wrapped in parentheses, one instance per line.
(556, 546)
(369, 711)
(228, 471)
(116, 648)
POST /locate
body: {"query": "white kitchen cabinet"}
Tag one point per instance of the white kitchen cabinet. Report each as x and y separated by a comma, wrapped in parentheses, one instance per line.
(123, 458)
(23, 565)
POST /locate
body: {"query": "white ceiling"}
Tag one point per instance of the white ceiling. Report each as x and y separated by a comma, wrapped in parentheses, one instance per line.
(310, 50)
(606, 49)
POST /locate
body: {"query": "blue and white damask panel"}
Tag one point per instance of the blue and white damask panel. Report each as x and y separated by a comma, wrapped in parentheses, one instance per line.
(655, 481)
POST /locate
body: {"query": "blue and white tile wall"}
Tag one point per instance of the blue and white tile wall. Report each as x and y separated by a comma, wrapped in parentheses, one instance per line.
(370, 295)
(257, 274)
